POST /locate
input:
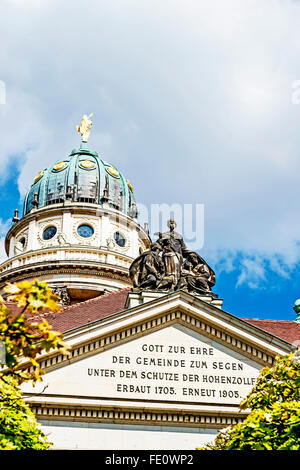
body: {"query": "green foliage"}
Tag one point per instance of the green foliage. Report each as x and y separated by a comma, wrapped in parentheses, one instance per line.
(18, 426)
(281, 383)
(274, 420)
(275, 428)
(25, 340)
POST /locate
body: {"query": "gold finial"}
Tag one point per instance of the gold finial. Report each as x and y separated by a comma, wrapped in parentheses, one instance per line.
(84, 127)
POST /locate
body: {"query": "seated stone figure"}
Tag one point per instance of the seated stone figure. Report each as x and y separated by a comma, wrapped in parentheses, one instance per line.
(173, 251)
(196, 276)
(178, 268)
(147, 270)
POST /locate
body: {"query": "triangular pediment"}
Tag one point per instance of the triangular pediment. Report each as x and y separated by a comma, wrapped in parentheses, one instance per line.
(175, 359)
(169, 350)
(177, 308)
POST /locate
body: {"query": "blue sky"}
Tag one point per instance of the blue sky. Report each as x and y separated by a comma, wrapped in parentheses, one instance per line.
(193, 101)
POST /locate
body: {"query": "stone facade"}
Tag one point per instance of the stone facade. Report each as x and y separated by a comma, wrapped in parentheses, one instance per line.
(165, 374)
(159, 366)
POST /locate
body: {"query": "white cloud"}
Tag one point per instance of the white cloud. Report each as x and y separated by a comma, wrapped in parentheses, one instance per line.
(252, 273)
(191, 100)
(4, 227)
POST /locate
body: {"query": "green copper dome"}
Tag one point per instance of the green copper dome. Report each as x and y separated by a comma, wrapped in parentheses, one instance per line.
(81, 177)
(297, 309)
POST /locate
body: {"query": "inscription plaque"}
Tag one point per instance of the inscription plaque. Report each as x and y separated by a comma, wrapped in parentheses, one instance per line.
(173, 364)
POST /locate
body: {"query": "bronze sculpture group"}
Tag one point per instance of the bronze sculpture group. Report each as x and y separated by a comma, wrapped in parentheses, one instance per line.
(177, 268)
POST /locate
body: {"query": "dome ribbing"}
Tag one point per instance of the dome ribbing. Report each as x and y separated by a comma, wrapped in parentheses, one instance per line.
(81, 177)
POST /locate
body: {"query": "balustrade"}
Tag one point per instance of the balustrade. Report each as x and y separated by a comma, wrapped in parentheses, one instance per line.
(61, 254)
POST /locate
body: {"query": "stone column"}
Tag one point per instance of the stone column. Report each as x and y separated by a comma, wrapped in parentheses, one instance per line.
(66, 226)
(32, 236)
(105, 230)
(11, 247)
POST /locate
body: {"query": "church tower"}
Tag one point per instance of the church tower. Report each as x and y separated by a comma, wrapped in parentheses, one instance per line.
(79, 230)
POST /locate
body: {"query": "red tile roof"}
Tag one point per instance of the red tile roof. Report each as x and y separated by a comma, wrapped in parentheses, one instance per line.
(105, 305)
(81, 313)
(287, 330)
(86, 312)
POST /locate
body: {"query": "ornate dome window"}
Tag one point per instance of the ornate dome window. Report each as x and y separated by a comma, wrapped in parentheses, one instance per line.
(23, 241)
(49, 232)
(85, 231)
(60, 166)
(112, 171)
(119, 239)
(87, 164)
(38, 176)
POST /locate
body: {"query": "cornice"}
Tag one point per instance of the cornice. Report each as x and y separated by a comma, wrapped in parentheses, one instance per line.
(90, 268)
(127, 415)
(194, 307)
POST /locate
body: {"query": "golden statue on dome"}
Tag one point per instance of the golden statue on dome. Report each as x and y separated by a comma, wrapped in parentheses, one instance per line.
(84, 127)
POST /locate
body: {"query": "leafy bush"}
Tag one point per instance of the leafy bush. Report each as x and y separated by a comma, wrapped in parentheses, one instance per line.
(18, 425)
(24, 341)
(274, 420)
(23, 338)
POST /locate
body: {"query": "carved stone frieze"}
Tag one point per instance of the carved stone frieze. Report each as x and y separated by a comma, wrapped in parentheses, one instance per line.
(62, 294)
